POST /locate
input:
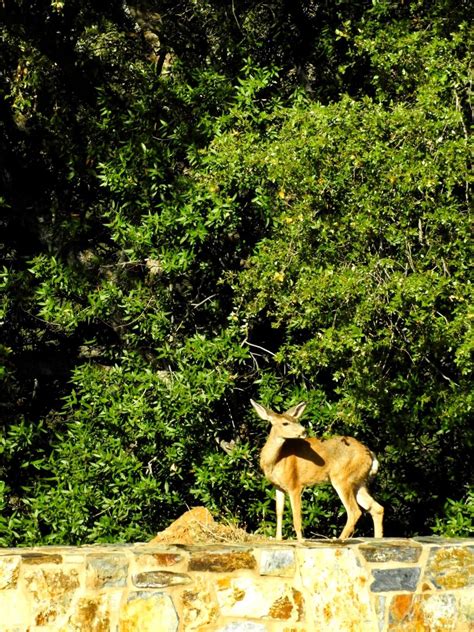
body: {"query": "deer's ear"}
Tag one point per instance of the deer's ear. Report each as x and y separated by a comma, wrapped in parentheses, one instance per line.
(261, 411)
(296, 411)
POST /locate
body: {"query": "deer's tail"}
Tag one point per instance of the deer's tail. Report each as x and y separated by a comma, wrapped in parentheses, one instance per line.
(374, 468)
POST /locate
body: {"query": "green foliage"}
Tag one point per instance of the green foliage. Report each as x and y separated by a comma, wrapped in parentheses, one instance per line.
(220, 204)
(459, 517)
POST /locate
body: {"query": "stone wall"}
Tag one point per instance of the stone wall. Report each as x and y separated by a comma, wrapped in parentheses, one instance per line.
(422, 584)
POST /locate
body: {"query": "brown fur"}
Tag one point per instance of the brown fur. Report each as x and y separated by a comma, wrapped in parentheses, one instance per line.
(292, 463)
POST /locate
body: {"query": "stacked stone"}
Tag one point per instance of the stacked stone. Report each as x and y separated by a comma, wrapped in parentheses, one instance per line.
(421, 584)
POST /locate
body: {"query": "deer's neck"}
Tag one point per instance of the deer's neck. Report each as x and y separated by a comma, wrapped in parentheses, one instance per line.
(270, 452)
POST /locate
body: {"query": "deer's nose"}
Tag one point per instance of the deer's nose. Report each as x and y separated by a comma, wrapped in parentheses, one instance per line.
(303, 435)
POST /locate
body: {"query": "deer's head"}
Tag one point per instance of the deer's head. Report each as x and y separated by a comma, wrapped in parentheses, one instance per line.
(285, 424)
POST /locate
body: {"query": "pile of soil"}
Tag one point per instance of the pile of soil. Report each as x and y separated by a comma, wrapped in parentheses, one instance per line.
(197, 526)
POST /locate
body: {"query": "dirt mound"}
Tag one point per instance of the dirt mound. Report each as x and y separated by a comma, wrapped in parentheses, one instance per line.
(197, 526)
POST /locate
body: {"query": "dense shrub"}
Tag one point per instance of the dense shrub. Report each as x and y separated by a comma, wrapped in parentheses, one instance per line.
(194, 235)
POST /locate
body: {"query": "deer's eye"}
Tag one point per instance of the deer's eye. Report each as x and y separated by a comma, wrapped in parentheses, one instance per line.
(286, 423)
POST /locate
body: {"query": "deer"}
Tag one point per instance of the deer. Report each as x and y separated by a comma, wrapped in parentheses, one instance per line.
(291, 462)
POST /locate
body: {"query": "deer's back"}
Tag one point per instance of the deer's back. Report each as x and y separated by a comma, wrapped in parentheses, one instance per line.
(305, 462)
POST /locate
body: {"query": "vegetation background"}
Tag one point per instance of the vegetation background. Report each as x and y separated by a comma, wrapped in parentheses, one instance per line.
(203, 202)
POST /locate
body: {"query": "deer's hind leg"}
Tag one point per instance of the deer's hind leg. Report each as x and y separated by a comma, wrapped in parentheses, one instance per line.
(376, 510)
(345, 491)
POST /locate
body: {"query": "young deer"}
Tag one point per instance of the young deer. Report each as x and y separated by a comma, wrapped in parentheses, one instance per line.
(291, 462)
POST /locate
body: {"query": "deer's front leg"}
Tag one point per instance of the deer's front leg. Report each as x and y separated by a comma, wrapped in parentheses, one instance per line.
(295, 499)
(280, 505)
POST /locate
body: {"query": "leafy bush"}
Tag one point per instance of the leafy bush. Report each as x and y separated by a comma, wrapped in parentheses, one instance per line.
(196, 234)
(459, 517)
